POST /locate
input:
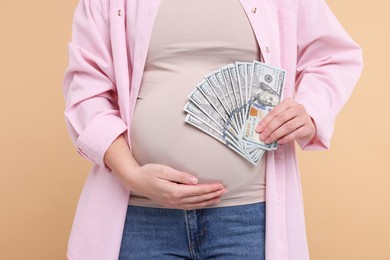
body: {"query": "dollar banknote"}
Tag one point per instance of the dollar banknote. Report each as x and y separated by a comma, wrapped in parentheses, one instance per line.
(231, 101)
(242, 80)
(219, 92)
(225, 131)
(204, 105)
(249, 71)
(228, 97)
(209, 94)
(190, 119)
(265, 93)
(234, 93)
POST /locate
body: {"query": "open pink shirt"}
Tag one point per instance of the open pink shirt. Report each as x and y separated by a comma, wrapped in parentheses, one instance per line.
(107, 55)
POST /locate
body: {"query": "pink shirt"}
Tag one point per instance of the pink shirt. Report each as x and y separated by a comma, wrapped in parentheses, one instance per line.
(107, 54)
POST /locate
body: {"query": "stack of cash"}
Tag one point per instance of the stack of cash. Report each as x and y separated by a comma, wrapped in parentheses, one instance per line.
(230, 102)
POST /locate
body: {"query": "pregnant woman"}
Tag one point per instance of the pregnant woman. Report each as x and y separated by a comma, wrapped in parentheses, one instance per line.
(161, 189)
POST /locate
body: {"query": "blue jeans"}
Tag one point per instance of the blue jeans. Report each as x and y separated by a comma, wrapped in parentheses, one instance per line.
(236, 232)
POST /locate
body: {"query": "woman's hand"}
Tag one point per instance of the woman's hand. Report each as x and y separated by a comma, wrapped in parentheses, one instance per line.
(287, 122)
(174, 189)
(160, 183)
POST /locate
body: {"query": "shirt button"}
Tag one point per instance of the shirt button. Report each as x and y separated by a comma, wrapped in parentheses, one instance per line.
(267, 49)
(254, 10)
(119, 12)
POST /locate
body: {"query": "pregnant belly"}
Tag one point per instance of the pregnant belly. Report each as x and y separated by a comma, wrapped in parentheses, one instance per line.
(160, 135)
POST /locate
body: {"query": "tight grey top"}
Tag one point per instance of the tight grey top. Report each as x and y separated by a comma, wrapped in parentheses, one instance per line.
(190, 39)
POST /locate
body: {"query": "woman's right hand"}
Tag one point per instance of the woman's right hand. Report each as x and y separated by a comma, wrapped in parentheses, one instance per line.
(172, 188)
(162, 184)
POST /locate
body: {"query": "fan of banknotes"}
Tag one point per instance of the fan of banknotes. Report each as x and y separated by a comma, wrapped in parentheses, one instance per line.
(230, 102)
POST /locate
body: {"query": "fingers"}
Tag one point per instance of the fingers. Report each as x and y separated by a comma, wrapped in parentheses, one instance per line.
(198, 190)
(281, 123)
(181, 178)
(200, 205)
(173, 175)
(171, 188)
(204, 197)
(272, 114)
(192, 196)
(199, 201)
(297, 134)
(286, 122)
(282, 129)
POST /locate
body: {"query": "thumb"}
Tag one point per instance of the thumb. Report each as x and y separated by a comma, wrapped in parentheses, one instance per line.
(177, 176)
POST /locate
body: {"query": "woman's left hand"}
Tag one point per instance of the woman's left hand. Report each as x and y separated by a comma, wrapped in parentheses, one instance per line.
(287, 122)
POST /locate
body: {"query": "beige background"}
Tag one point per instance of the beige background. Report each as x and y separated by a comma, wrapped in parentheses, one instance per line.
(346, 189)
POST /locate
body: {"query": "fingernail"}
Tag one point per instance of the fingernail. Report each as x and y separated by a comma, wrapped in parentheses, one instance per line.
(224, 192)
(193, 180)
(259, 127)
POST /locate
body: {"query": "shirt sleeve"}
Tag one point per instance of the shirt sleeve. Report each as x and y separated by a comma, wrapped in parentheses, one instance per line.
(329, 64)
(91, 109)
